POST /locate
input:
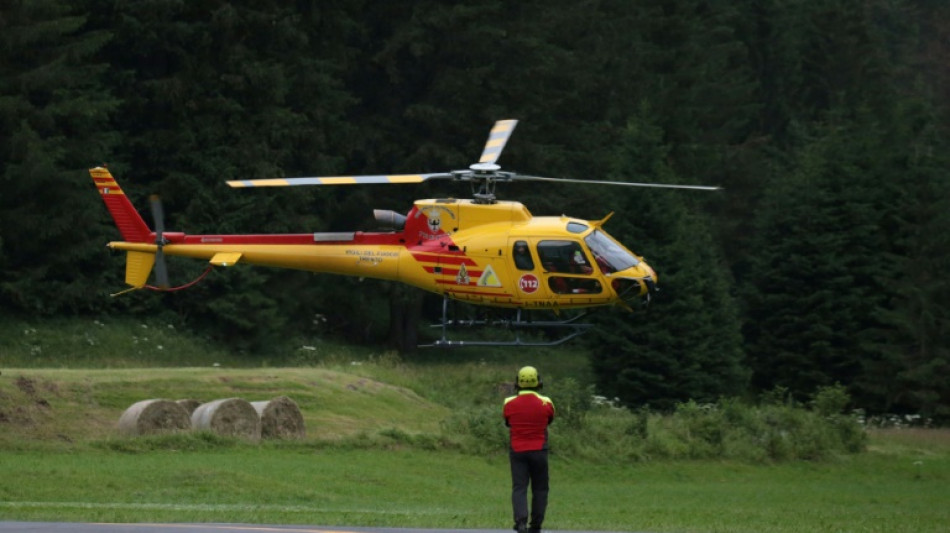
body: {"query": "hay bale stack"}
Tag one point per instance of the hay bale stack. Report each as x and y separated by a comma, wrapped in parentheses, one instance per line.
(280, 419)
(154, 416)
(189, 405)
(233, 417)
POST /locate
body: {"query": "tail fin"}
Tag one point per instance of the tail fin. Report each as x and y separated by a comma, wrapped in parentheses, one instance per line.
(129, 221)
(138, 266)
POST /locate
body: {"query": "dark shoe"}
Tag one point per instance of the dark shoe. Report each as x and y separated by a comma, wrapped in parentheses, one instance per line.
(521, 527)
(534, 530)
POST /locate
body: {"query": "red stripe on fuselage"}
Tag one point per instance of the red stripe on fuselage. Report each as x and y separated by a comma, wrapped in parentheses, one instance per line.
(443, 259)
(454, 271)
(294, 238)
(481, 293)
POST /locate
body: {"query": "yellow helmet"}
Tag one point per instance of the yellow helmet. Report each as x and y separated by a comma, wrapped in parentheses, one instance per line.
(528, 378)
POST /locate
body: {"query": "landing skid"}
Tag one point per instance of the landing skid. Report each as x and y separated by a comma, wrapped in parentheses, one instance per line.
(570, 327)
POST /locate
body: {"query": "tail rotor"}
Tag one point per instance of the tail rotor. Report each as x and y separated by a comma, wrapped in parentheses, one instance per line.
(158, 215)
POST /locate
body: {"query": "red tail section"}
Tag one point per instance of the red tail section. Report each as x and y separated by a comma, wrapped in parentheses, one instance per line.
(128, 220)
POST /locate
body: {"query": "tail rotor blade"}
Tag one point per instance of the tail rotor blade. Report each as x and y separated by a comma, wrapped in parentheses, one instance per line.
(161, 271)
(158, 215)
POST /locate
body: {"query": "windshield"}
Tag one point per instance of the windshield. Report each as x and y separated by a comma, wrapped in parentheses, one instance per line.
(610, 256)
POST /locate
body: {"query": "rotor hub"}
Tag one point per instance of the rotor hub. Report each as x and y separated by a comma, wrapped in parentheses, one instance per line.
(485, 167)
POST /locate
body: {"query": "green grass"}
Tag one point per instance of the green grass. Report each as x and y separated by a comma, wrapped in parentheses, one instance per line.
(414, 443)
(106, 343)
(405, 487)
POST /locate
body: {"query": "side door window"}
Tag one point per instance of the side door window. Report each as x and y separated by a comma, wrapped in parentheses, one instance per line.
(522, 265)
(567, 258)
(522, 255)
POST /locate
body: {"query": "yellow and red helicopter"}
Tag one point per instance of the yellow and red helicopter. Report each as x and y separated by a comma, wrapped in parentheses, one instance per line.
(482, 250)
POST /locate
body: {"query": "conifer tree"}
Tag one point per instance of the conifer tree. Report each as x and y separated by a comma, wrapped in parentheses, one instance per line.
(813, 280)
(54, 111)
(840, 285)
(215, 91)
(687, 343)
(909, 353)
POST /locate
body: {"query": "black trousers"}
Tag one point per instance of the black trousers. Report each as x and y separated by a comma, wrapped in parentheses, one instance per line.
(529, 468)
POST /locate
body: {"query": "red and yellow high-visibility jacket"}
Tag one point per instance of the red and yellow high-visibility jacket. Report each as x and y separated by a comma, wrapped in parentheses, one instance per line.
(528, 415)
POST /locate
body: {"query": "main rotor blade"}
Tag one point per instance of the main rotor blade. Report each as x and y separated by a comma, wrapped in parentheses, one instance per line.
(622, 183)
(496, 140)
(339, 180)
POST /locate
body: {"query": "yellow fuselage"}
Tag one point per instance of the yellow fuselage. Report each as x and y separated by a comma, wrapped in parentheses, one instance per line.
(455, 248)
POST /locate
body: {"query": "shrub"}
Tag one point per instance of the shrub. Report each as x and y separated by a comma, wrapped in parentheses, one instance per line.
(830, 401)
(573, 402)
(480, 430)
(779, 430)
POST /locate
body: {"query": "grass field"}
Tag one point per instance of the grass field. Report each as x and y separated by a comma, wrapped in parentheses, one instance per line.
(304, 484)
(382, 449)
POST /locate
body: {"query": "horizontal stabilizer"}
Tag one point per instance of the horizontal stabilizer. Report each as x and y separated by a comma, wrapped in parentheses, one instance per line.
(225, 259)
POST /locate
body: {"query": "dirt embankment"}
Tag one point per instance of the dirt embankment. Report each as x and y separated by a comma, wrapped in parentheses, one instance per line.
(26, 404)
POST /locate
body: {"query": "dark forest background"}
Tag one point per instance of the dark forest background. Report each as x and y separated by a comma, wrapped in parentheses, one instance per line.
(823, 261)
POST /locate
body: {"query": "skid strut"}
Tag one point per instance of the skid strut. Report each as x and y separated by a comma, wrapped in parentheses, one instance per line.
(571, 328)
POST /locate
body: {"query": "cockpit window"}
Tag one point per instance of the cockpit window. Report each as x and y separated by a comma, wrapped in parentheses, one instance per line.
(610, 256)
(563, 256)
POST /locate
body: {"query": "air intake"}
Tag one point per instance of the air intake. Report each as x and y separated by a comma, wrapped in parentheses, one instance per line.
(389, 219)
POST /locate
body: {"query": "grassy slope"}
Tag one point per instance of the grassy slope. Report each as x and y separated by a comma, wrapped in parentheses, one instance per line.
(81, 405)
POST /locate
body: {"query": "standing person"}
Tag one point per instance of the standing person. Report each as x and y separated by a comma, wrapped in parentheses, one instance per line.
(528, 414)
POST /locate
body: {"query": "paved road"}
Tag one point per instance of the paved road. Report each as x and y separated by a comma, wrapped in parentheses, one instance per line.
(75, 527)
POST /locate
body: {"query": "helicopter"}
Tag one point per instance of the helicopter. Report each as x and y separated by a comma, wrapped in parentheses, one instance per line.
(482, 250)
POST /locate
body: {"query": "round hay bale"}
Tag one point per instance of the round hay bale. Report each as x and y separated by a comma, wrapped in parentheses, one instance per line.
(280, 419)
(154, 416)
(189, 405)
(233, 417)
